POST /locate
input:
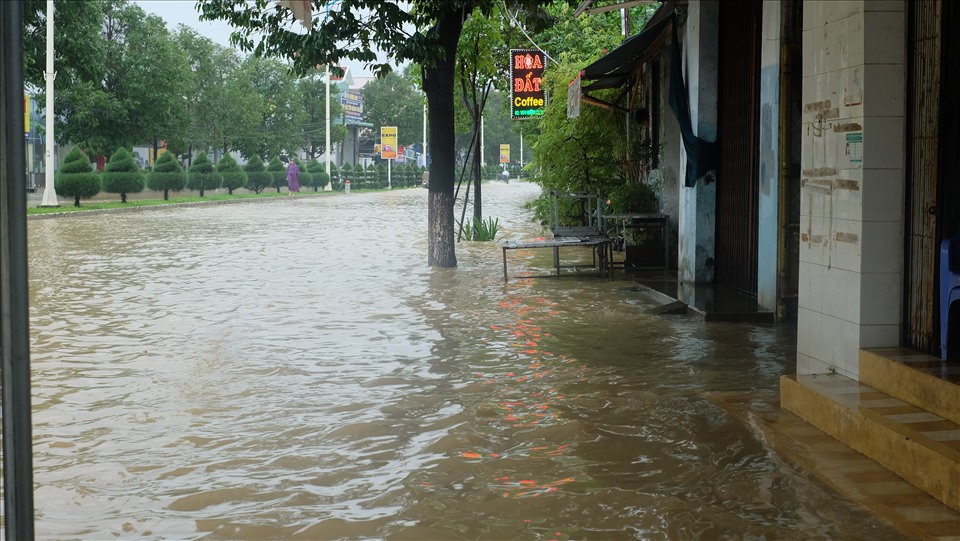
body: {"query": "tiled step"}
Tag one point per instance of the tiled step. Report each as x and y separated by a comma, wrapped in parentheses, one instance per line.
(920, 446)
(915, 378)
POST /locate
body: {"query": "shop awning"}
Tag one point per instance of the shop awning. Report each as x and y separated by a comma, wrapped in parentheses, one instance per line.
(618, 67)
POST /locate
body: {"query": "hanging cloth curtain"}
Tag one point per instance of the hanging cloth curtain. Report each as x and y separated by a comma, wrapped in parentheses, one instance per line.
(702, 155)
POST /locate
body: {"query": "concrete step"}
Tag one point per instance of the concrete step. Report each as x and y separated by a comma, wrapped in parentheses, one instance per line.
(920, 446)
(918, 379)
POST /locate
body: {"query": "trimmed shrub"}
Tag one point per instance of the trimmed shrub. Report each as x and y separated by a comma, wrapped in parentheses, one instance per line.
(76, 177)
(409, 175)
(231, 176)
(257, 176)
(336, 180)
(167, 175)
(122, 175)
(306, 177)
(318, 174)
(203, 176)
(278, 173)
(381, 175)
(346, 173)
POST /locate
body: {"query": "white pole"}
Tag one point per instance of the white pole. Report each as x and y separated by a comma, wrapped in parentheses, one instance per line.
(520, 172)
(424, 133)
(49, 191)
(327, 139)
(389, 180)
(483, 161)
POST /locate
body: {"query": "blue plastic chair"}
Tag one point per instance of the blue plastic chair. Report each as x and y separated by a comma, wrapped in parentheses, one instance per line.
(949, 287)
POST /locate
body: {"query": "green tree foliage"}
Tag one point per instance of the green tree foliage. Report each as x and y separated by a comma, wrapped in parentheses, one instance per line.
(579, 154)
(122, 175)
(393, 101)
(160, 111)
(78, 53)
(257, 176)
(76, 177)
(167, 175)
(203, 176)
(136, 95)
(481, 44)
(278, 173)
(280, 114)
(217, 109)
(230, 173)
(425, 32)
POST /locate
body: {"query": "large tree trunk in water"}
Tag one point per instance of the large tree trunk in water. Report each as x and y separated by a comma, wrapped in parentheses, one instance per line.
(439, 89)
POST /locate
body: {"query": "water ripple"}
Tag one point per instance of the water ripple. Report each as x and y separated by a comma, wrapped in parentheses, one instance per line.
(292, 369)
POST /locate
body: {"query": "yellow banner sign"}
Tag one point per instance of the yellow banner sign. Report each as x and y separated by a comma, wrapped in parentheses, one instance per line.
(504, 153)
(26, 114)
(388, 142)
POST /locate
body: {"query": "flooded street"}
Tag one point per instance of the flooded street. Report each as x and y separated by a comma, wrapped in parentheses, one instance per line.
(292, 369)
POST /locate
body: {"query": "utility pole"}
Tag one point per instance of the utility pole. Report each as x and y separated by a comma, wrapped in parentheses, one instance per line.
(49, 191)
(327, 115)
(14, 298)
(424, 133)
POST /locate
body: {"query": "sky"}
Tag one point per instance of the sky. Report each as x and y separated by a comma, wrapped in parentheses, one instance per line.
(184, 12)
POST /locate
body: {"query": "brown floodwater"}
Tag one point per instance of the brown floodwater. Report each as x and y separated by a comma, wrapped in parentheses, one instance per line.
(292, 369)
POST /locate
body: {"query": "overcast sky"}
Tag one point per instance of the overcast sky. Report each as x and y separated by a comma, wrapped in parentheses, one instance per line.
(184, 12)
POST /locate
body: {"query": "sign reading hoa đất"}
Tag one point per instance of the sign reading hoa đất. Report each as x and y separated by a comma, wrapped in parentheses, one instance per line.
(527, 96)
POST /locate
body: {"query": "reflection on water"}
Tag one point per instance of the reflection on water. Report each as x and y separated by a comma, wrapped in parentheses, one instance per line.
(292, 369)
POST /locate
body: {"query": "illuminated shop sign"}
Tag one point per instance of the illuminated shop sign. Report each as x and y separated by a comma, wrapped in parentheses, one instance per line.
(527, 96)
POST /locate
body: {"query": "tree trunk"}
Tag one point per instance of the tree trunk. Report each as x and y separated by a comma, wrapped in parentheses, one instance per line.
(166, 195)
(156, 148)
(76, 201)
(123, 197)
(439, 81)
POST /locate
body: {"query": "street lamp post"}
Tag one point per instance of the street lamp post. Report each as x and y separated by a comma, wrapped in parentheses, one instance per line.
(49, 191)
(327, 138)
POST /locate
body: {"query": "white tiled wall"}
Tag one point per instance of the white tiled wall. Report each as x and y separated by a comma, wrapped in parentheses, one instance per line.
(851, 224)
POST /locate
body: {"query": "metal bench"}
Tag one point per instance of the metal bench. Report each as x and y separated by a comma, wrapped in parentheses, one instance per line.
(600, 245)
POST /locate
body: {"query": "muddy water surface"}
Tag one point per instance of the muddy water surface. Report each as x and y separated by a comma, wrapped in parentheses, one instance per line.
(292, 369)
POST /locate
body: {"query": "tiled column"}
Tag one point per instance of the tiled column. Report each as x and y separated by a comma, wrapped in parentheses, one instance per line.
(698, 204)
(851, 211)
(769, 222)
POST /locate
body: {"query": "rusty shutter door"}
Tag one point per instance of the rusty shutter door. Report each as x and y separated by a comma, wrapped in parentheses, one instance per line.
(923, 124)
(737, 176)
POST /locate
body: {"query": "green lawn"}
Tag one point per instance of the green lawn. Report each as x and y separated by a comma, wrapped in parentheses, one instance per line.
(66, 204)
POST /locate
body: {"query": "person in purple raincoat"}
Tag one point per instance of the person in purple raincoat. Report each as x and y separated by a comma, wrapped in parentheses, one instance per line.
(293, 178)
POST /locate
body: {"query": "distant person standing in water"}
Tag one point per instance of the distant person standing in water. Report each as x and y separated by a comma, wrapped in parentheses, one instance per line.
(293, 178)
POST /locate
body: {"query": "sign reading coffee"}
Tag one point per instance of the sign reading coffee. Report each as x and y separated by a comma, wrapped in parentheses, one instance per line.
(527, 96)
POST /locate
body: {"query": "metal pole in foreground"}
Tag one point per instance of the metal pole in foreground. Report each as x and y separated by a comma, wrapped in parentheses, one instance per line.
(327, 138)
(14, 324)
(49, 191)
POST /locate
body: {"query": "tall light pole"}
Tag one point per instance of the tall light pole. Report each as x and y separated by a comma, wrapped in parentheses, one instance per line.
(327, 138)
(49, 191)
(483, 160)
(424, 131)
